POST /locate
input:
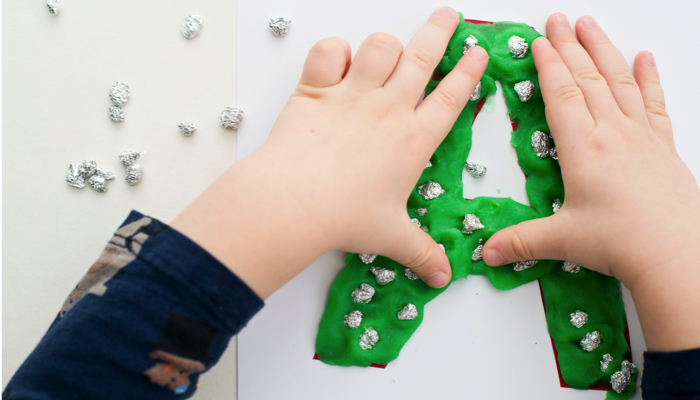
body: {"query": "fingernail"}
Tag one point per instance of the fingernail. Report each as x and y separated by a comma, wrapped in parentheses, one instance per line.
(449, 12)
(437, 279)
(561, 20)
(649, 59)
(493, 258)
(589, 22)
(477, 53)
(543, 41)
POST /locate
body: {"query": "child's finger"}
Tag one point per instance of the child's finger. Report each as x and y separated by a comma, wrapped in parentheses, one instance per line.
(567, 113)
(326, 64)
(374, 62)
(612, 66)
(422, 55)
(416, 250)
(537, 239)
(647, 77)
(441, 108)
(599, 99)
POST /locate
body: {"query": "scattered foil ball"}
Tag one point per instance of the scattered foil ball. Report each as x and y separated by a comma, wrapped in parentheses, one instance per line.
(104, 173)
(119, 93)
(231, 117)
(421, 211)
(591, 341)
(570, 267)
(442, 246)
(53, 6)
(79, 173)
(369, 338)
(425, 228)
(279, 26)
(134, 173)
(469, 42)
(116, 114)
(518, 47)
(428, 165)
(383, 276)
(367, 258)
(523, 265)
(430, 190)
(605, 362)
(416, 222)
(98, 184)
(524, 90)
(353, 319)
(621, 379)
(410, 274)
(87, 168)
(471, 223)
(192, 26)
(187, 128)
(556, 205)
(476, 170)
(540, 143)
(75, 178)
(129, 157)
(408, 313)
(477, 254)
(476, 94)
(578, 318)
(363, 294)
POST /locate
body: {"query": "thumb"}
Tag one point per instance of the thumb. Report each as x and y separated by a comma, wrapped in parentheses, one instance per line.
(537, 239)
(416, 250)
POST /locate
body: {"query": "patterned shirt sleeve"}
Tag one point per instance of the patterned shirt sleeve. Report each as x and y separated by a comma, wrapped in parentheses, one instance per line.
(153, 313)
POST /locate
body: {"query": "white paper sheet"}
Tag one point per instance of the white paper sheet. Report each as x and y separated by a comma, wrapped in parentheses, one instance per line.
(475, 341)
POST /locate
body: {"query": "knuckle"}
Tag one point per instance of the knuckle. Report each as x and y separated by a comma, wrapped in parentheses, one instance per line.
(652, 80)
(567, 37)
(467, 72)
(521, 249)
(624, 78)
(447, 100)
(418, 261)
(423, 58)
(656, 107)
(567, 93)
(589, 75)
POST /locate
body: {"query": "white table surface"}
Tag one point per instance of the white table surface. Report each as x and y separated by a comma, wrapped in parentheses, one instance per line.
(57, 71)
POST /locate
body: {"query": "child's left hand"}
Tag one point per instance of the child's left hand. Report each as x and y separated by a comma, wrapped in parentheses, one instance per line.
(341, 162)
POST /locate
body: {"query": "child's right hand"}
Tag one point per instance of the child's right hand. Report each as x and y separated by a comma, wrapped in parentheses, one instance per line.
(632, 207)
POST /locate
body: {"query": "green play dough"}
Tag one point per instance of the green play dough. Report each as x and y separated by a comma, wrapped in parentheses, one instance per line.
(564, 293)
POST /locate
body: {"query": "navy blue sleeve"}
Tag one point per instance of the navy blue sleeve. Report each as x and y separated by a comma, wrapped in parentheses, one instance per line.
(153, 313)
(671, 375)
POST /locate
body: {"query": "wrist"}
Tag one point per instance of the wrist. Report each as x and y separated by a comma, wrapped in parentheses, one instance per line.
(668, 306)
(247, 220)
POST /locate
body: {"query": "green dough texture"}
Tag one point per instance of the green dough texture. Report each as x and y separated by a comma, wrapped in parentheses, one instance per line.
(564, 293)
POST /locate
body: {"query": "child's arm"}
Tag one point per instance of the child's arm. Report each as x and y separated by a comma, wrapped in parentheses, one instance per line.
(632, 207)
(156, 310)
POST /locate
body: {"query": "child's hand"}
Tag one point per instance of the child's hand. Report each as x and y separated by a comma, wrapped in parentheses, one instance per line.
(341, 162)
(351, 142)
(632, 207)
